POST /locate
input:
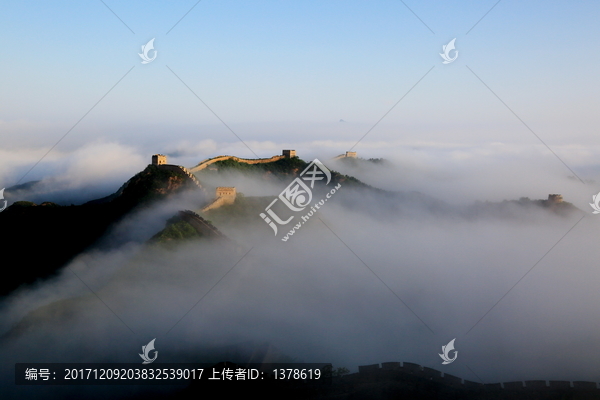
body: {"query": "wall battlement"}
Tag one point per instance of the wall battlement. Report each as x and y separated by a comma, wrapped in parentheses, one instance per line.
(183, 170)
(555, 198)
(430, 374)
(228, 192)
(224, 195)
(348, 154)
(209, 161)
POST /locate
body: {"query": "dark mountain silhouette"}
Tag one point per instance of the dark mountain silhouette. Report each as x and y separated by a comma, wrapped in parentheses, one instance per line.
(42, 238)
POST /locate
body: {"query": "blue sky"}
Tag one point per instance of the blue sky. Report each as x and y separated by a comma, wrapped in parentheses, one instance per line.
(284, 74)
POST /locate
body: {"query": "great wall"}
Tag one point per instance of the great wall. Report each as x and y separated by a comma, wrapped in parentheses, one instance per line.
(207, 162)
(434, 375)
(223, 195)
(160, 160)
(409, 379)
(348, 154)
(227, 195)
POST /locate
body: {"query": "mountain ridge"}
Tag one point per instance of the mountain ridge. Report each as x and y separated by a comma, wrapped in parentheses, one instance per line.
(46, 237)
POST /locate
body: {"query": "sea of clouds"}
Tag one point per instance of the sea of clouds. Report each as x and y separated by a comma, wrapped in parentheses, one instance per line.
(351, 287)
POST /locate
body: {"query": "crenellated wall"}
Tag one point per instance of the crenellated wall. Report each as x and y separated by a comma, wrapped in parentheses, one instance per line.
(348, 154)
(430, 374)
(213, 160)
(184, 170)
(160, 159)
(224, 195)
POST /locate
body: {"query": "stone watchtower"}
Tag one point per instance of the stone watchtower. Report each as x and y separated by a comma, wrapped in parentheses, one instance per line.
(289, 153)
(555, 198)
(225, 195)
(159, 159)
(227, 192)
